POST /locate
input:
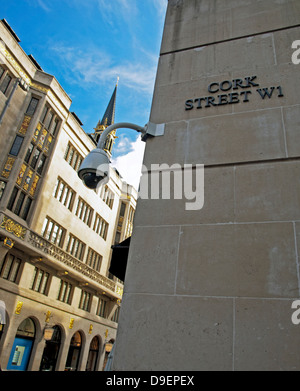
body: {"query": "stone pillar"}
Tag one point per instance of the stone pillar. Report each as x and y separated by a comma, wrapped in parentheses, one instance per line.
(212, 289)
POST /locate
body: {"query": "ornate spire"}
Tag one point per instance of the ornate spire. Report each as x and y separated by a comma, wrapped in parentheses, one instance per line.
(107, 120)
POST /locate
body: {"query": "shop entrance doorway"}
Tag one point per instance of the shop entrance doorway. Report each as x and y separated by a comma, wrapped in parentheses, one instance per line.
(22, 346)
(74, 352)
(51, 350)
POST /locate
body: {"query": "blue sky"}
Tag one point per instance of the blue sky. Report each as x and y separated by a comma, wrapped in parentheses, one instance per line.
(86, 45)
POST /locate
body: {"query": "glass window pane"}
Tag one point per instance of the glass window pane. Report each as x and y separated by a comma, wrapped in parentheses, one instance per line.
(15, 149)
(5, 84)
(59, 237)
(33, 277)
(64, 198)
(28, 153)
(41, 164)
(35, 158)
(49, 229)
(2, 188)
(48, 120)
(63, 289)
(38, 281)
(44, 283)
(60, 191)
(68, 294)
(19, 204)
(54, 234)
(14, 270)
(70, 155)
(32, 106)
(12, 198)
(7, 266)
(26, 208)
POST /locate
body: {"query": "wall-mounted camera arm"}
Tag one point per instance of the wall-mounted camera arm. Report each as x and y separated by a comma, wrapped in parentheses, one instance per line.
(149, 129)
(126, 125)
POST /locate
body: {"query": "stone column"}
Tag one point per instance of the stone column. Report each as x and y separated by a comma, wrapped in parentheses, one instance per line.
(212, 289)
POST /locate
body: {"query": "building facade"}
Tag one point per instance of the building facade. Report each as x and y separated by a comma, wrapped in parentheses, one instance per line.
(213, 286)
(61, 303)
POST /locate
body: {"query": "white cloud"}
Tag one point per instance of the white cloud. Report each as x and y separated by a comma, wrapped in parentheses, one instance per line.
(130, 165)
(42, 4)
(124, 145)
(88, 67)
(125, 10)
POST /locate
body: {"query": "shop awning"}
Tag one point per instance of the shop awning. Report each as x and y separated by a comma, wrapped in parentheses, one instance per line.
(119, 257)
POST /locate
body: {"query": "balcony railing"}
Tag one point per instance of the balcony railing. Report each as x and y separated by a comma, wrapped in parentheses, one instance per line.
(48, 248)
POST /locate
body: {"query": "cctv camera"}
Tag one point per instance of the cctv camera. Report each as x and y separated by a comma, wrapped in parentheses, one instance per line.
(94, 168)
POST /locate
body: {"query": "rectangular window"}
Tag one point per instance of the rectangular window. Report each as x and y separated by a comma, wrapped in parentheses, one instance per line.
(67, 151)
(48, 119)
(26, 208)
(41, 164)
(53, 232)
(12, 198)
(73, 157)
(10, 268)
(6, 82)
(107, 196)
(123, 209)
(32, 107)
(64, 194)
(101, 310)
(76, 247)
(84, 212)
(40, 281)
(44, 112)
(19, 203)
(54, 126)
(35, 158)
(70, 156)
(115, 317)
(78, 164)
(15, 149)
(65, 292)
(101, 226)
(2, 188)
(28, 153)
(85, 300)
(94, 260)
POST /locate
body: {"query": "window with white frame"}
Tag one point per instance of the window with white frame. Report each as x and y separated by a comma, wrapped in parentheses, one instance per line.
(64, 193)
(40, 281)
(53, 232)
(75, 247)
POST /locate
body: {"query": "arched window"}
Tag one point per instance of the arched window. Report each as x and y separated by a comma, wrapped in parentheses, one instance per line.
(74, 352)
(93, 355)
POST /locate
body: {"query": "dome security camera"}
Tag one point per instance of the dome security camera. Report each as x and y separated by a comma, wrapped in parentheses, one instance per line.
(94, 168)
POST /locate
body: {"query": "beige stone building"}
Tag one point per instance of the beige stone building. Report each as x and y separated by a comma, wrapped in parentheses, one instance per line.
(55, 234)
(213, 288)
